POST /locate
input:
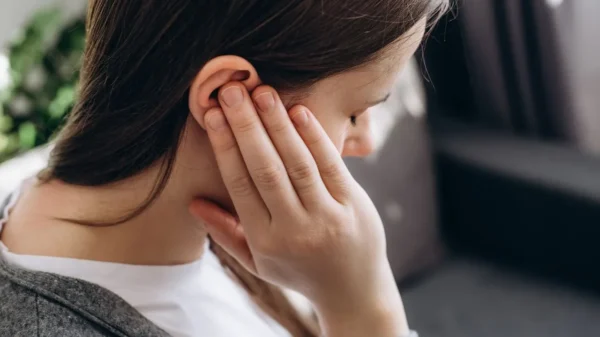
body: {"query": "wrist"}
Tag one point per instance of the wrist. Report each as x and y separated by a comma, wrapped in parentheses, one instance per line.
(379, 320)
(375, 312)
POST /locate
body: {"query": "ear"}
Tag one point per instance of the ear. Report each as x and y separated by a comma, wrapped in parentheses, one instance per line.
(216, 73)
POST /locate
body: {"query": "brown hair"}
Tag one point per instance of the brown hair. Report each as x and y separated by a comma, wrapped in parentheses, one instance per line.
(142, 55)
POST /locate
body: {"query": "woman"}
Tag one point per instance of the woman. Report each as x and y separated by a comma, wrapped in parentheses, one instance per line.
(177, 136)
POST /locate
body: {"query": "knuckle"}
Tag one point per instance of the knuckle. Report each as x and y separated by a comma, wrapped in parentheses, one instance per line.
(226, 143)
(268, 177)
(278, 127)
(240, 185)
(314, 138)
(343, 190)
(301, 172)
(332, 171)
(315, 242)
(245, 125)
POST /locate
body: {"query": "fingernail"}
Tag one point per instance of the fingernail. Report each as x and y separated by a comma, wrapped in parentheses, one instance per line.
(300, 118)
(240, 75)
(216, 121)
(265, 101)
(232, 96)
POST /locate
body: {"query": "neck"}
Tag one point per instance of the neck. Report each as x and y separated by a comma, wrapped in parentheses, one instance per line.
(163, 234)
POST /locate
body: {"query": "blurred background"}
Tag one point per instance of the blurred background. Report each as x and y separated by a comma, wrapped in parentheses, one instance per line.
(487, 173)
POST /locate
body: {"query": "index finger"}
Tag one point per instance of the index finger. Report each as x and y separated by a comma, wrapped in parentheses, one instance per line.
(259, 154)
(246, 199)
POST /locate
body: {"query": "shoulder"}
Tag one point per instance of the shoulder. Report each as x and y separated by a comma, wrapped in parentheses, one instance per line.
(48, 305)
(24, 312)
(17, 310)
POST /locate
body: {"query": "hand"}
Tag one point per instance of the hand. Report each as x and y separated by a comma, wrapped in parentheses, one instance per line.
(304, 222)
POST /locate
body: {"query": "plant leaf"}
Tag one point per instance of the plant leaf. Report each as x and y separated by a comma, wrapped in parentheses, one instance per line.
(27, 135)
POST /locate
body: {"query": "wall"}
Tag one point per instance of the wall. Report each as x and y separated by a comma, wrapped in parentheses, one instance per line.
(13, 14)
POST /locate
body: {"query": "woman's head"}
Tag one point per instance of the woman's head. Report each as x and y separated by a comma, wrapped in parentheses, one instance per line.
(147, 61)
(152, 68)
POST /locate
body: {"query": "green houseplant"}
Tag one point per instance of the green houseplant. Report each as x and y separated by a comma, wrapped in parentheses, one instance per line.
(44, 62)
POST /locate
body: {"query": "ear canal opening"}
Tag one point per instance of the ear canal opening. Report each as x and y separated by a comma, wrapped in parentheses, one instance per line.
(215, 93)
(240, 75)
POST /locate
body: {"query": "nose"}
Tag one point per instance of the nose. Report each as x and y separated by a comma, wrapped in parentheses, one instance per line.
(359, 141)
(357, 148)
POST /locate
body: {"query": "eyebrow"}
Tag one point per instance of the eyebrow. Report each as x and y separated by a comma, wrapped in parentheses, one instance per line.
(379, 101)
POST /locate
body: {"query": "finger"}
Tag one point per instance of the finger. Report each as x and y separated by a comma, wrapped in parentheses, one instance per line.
(262, 160)
(246, 199)
(332, 169)
(225, 229)
(297, 159)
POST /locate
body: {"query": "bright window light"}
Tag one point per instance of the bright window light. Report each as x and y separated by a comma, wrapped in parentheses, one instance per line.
(4, 71)
(554, 3)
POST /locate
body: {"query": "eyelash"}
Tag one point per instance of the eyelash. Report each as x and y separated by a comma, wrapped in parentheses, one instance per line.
(354, 117)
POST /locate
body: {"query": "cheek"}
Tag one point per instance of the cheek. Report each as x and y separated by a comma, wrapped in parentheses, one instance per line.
(336, 126)
(338, 133)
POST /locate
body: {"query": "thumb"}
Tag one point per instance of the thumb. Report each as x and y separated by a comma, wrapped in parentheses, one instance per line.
(225, 229)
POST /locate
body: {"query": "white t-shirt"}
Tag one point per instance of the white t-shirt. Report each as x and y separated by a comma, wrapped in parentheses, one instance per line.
(195, 299)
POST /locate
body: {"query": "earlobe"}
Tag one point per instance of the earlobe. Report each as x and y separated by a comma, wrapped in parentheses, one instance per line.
(216, 73)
